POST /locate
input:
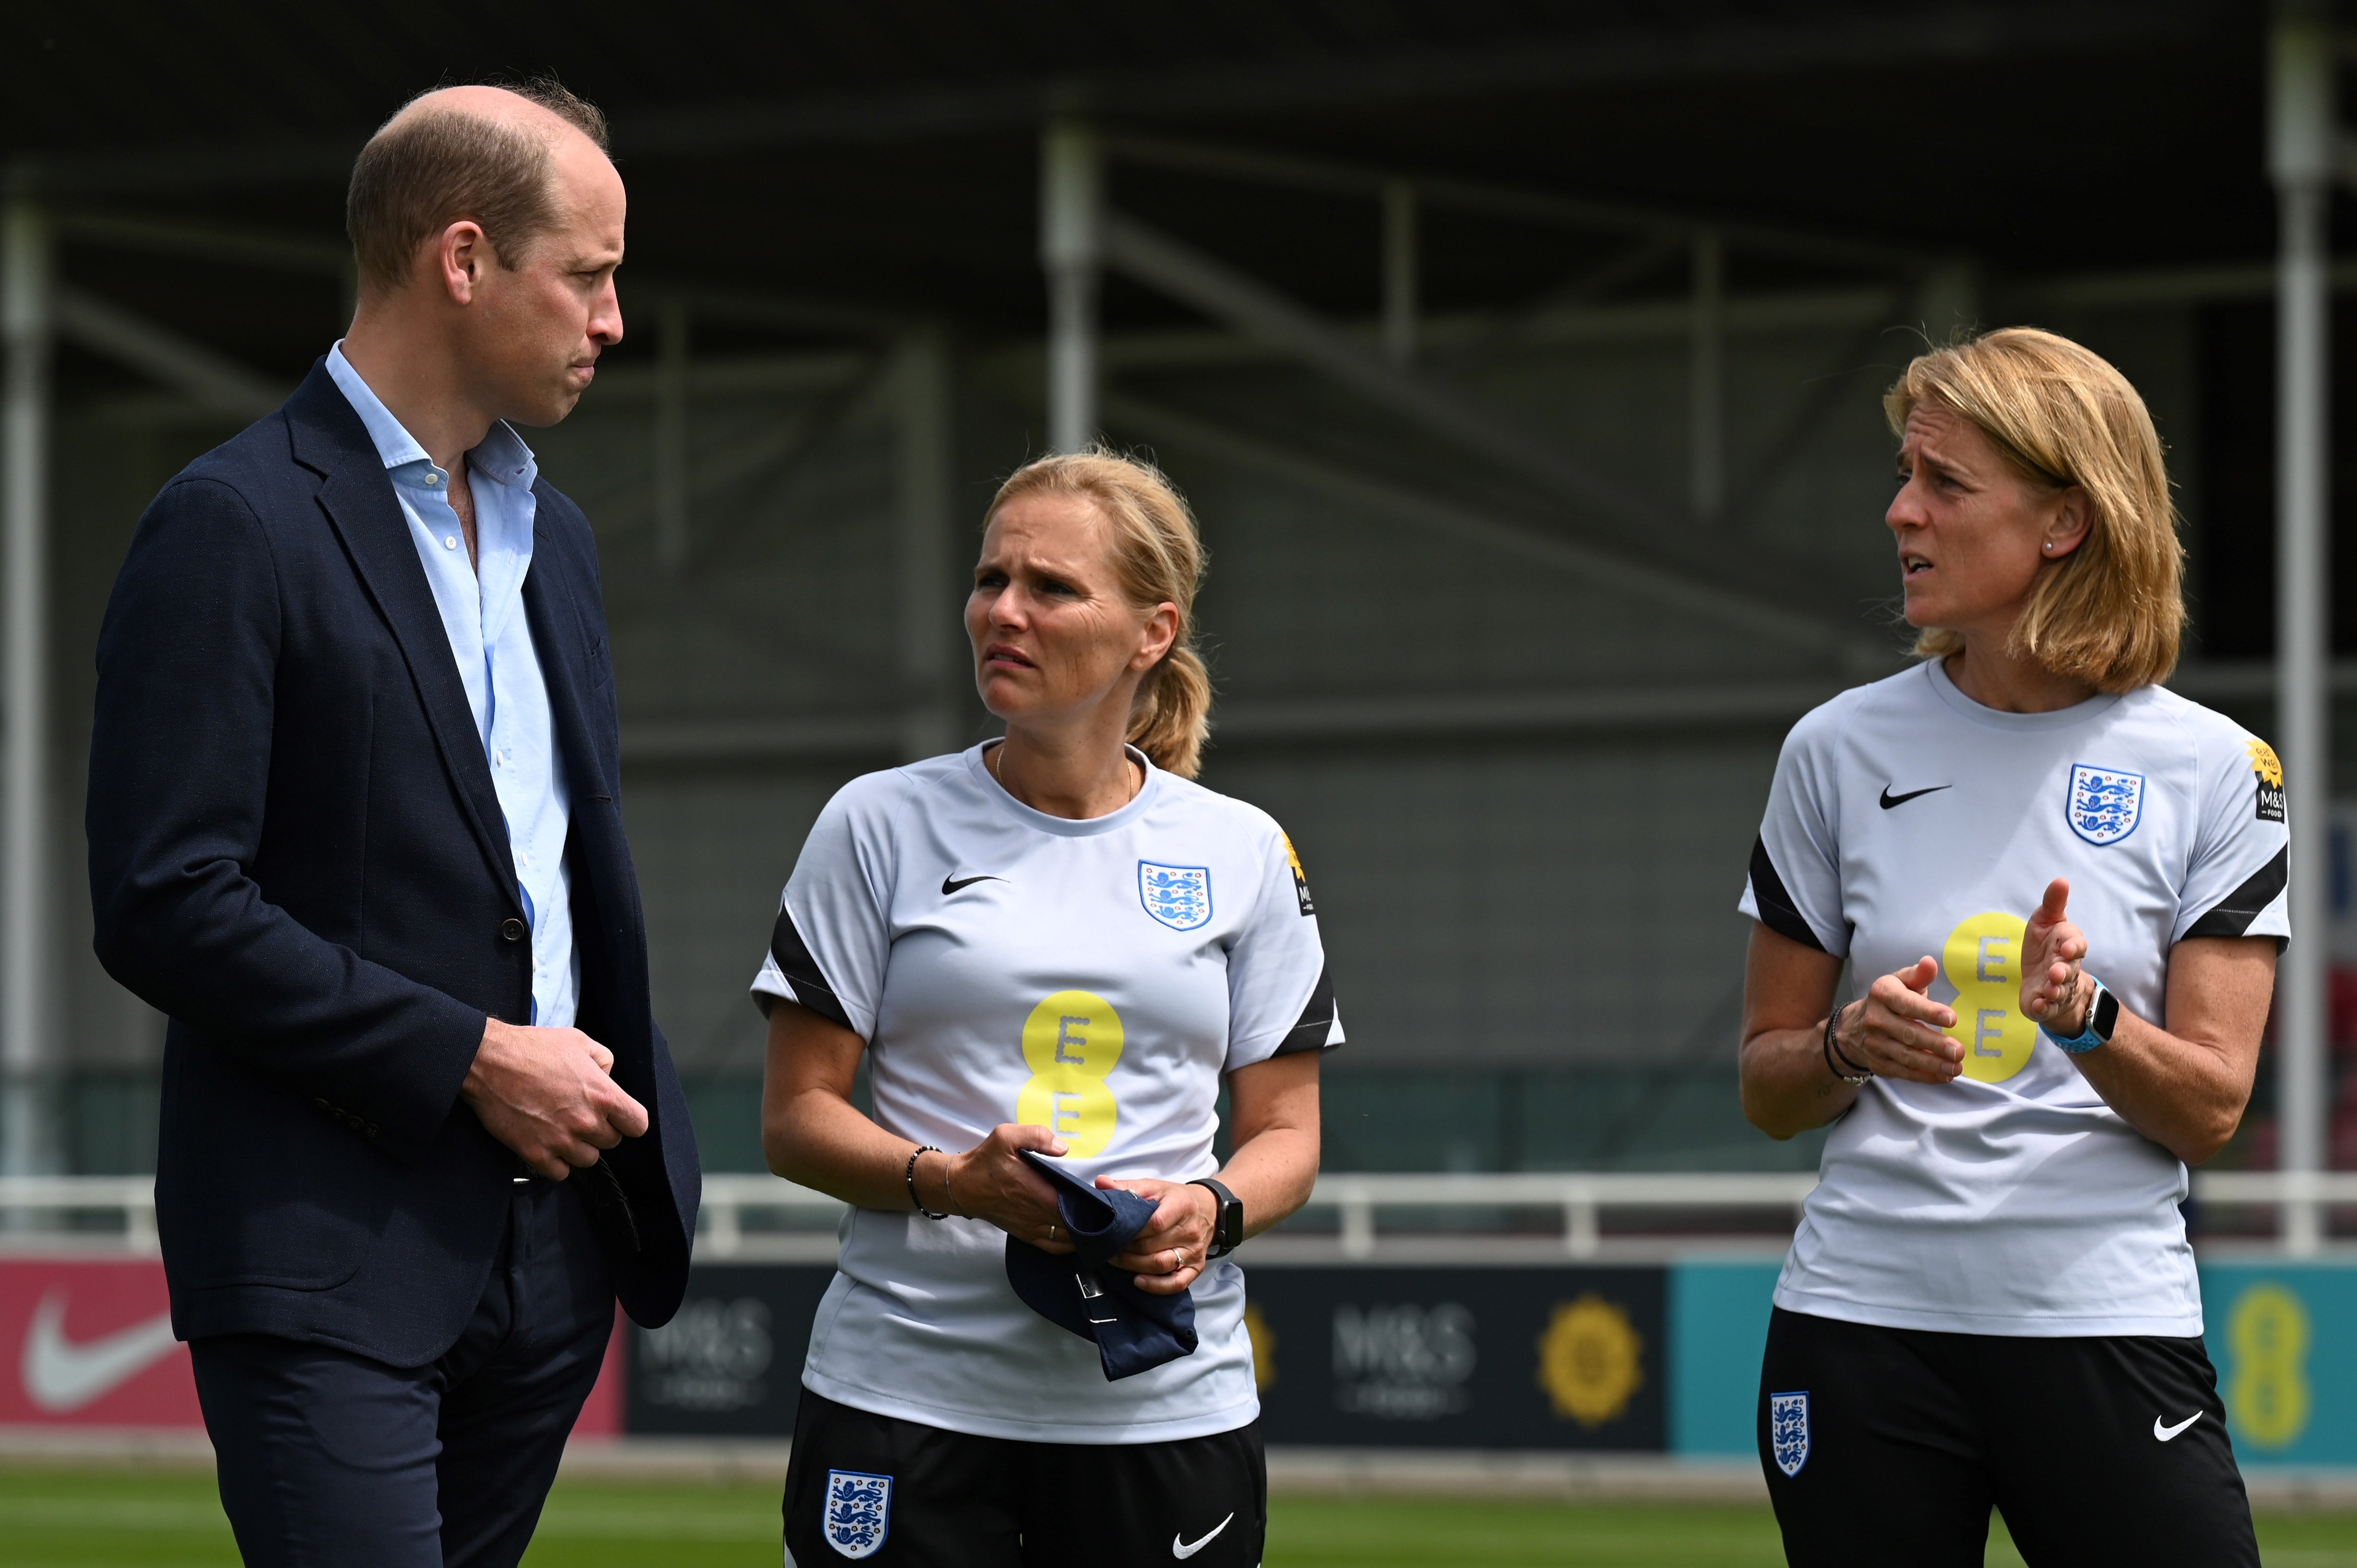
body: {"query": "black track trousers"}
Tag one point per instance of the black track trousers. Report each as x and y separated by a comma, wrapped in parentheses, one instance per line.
(2098, 1451)
(962, 1501)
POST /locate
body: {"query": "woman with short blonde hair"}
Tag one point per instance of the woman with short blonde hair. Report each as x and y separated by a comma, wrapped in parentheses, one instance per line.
(1052, 951)
(1990, 1300)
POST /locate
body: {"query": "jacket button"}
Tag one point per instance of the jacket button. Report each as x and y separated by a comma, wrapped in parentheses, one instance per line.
(511, 928)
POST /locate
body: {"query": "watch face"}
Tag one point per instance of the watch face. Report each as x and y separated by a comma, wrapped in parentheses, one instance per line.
(2107, 1014)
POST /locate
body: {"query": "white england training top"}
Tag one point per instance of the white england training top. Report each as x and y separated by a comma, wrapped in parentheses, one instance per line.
(1093, 977)
(1907, 819)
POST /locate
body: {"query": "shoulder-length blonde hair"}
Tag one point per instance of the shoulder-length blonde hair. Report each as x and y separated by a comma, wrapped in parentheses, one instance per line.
(1157, 555)
(2110, 612)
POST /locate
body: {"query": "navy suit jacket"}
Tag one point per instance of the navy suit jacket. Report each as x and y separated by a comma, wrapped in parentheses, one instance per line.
(295, 852)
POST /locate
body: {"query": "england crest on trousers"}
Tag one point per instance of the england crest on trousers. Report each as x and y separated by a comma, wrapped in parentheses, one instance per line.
(1788, 1430)
(1177, 896)
(858, 1512)
(2105, 803)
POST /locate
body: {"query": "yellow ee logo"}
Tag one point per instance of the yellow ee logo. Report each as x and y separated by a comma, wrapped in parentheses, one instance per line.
(1983, 961)
(1071, 1042)
(2268, 1396)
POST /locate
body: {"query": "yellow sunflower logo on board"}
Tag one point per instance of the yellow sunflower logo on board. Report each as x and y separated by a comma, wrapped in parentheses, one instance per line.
(1263, 1348)
(1590, 1361)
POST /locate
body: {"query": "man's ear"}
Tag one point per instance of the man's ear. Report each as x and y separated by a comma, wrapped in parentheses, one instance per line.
(460, 254)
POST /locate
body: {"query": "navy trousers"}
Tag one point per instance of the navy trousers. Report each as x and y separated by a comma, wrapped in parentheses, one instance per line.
(327, 1458)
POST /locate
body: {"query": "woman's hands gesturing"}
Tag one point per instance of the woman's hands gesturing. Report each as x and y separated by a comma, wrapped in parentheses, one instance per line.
(1894, 1030)
(2053, 989)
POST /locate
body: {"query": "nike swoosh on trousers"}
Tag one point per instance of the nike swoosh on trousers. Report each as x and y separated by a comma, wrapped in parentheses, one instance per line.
(1182, 1548)
(61, 1376)
(2165, 1432)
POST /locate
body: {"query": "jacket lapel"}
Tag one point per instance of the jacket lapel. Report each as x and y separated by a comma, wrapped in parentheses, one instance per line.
(559, 639)
(556, 641)
(359, 500)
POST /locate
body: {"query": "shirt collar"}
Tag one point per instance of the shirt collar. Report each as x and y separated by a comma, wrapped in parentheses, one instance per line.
(502, 458)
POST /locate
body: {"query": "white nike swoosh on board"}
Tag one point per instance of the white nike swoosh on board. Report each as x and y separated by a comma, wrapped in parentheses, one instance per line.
(1184, 1549)
(2165, 1432)
(61, 1376)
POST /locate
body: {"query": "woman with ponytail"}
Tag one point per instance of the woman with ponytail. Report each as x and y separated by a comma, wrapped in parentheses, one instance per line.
(1052, 950)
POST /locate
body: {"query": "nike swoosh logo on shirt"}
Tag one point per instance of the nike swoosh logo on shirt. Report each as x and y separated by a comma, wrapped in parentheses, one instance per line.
(950, 886)
(1184, 1549)
(60, 1375)
(2165, 1432)
(1889, 799)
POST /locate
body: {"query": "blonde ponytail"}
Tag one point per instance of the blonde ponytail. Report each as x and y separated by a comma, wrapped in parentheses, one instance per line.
(1173, 716)
(1157, 552)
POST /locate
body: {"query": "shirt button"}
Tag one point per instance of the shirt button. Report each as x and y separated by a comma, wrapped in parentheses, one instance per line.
(451, 542)
(511, 928)
(432, 478)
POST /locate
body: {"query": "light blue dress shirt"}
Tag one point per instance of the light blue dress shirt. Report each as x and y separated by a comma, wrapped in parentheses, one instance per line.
(482, 612)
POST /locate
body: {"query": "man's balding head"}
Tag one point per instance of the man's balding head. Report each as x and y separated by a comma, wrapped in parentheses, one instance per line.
(481, 153)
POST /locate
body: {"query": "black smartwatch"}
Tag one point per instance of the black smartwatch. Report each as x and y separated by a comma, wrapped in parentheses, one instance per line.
(1228, 1229)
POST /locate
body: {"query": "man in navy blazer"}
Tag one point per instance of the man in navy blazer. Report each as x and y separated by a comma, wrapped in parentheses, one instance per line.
(355, 824)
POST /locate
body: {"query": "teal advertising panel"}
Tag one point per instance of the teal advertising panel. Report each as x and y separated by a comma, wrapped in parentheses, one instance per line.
(2284, 1339)
(1718, 1331)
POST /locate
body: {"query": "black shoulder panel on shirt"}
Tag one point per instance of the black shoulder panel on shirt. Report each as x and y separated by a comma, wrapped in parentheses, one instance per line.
(1777, 910)
(2232, 916)
(1317, 1019)
(801, 970)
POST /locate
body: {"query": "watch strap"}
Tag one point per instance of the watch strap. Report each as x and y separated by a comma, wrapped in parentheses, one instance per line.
(1228, 1229)
(2103, 1017)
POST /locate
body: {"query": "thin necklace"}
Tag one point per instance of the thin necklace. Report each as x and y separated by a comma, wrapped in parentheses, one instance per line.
(990, 761)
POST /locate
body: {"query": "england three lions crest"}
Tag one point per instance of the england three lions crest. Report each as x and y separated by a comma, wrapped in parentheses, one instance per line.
(1177, 896)
(1788, 1430)
(2104, 804)
(858, 1512)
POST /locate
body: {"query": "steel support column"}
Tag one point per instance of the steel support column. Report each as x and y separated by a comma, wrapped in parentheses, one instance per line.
(1707, 387)
(1072, 249)
(28, 1058)
(1401, 285)
(923, 543)
(1949, 295)
(672, 483)
(2301, 143)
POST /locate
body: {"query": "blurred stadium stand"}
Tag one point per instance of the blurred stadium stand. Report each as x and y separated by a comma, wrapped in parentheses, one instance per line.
(1522, 359)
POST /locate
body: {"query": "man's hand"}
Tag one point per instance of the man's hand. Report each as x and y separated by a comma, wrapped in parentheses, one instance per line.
(549, 1095)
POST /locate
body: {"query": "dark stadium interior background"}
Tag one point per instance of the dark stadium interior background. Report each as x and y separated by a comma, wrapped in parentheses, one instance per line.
(1523, 790)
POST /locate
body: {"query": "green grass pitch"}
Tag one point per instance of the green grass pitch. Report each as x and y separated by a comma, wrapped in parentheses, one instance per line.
(56, 1521)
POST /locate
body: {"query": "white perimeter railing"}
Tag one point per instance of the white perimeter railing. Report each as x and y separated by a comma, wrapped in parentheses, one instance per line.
(30, 1206)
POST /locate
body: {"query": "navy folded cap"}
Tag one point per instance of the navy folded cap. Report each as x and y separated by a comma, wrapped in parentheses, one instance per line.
(1134, 1330)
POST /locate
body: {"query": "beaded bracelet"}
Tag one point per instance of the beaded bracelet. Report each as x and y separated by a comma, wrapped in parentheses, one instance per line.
(1833, 1049)
(909, 1176)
